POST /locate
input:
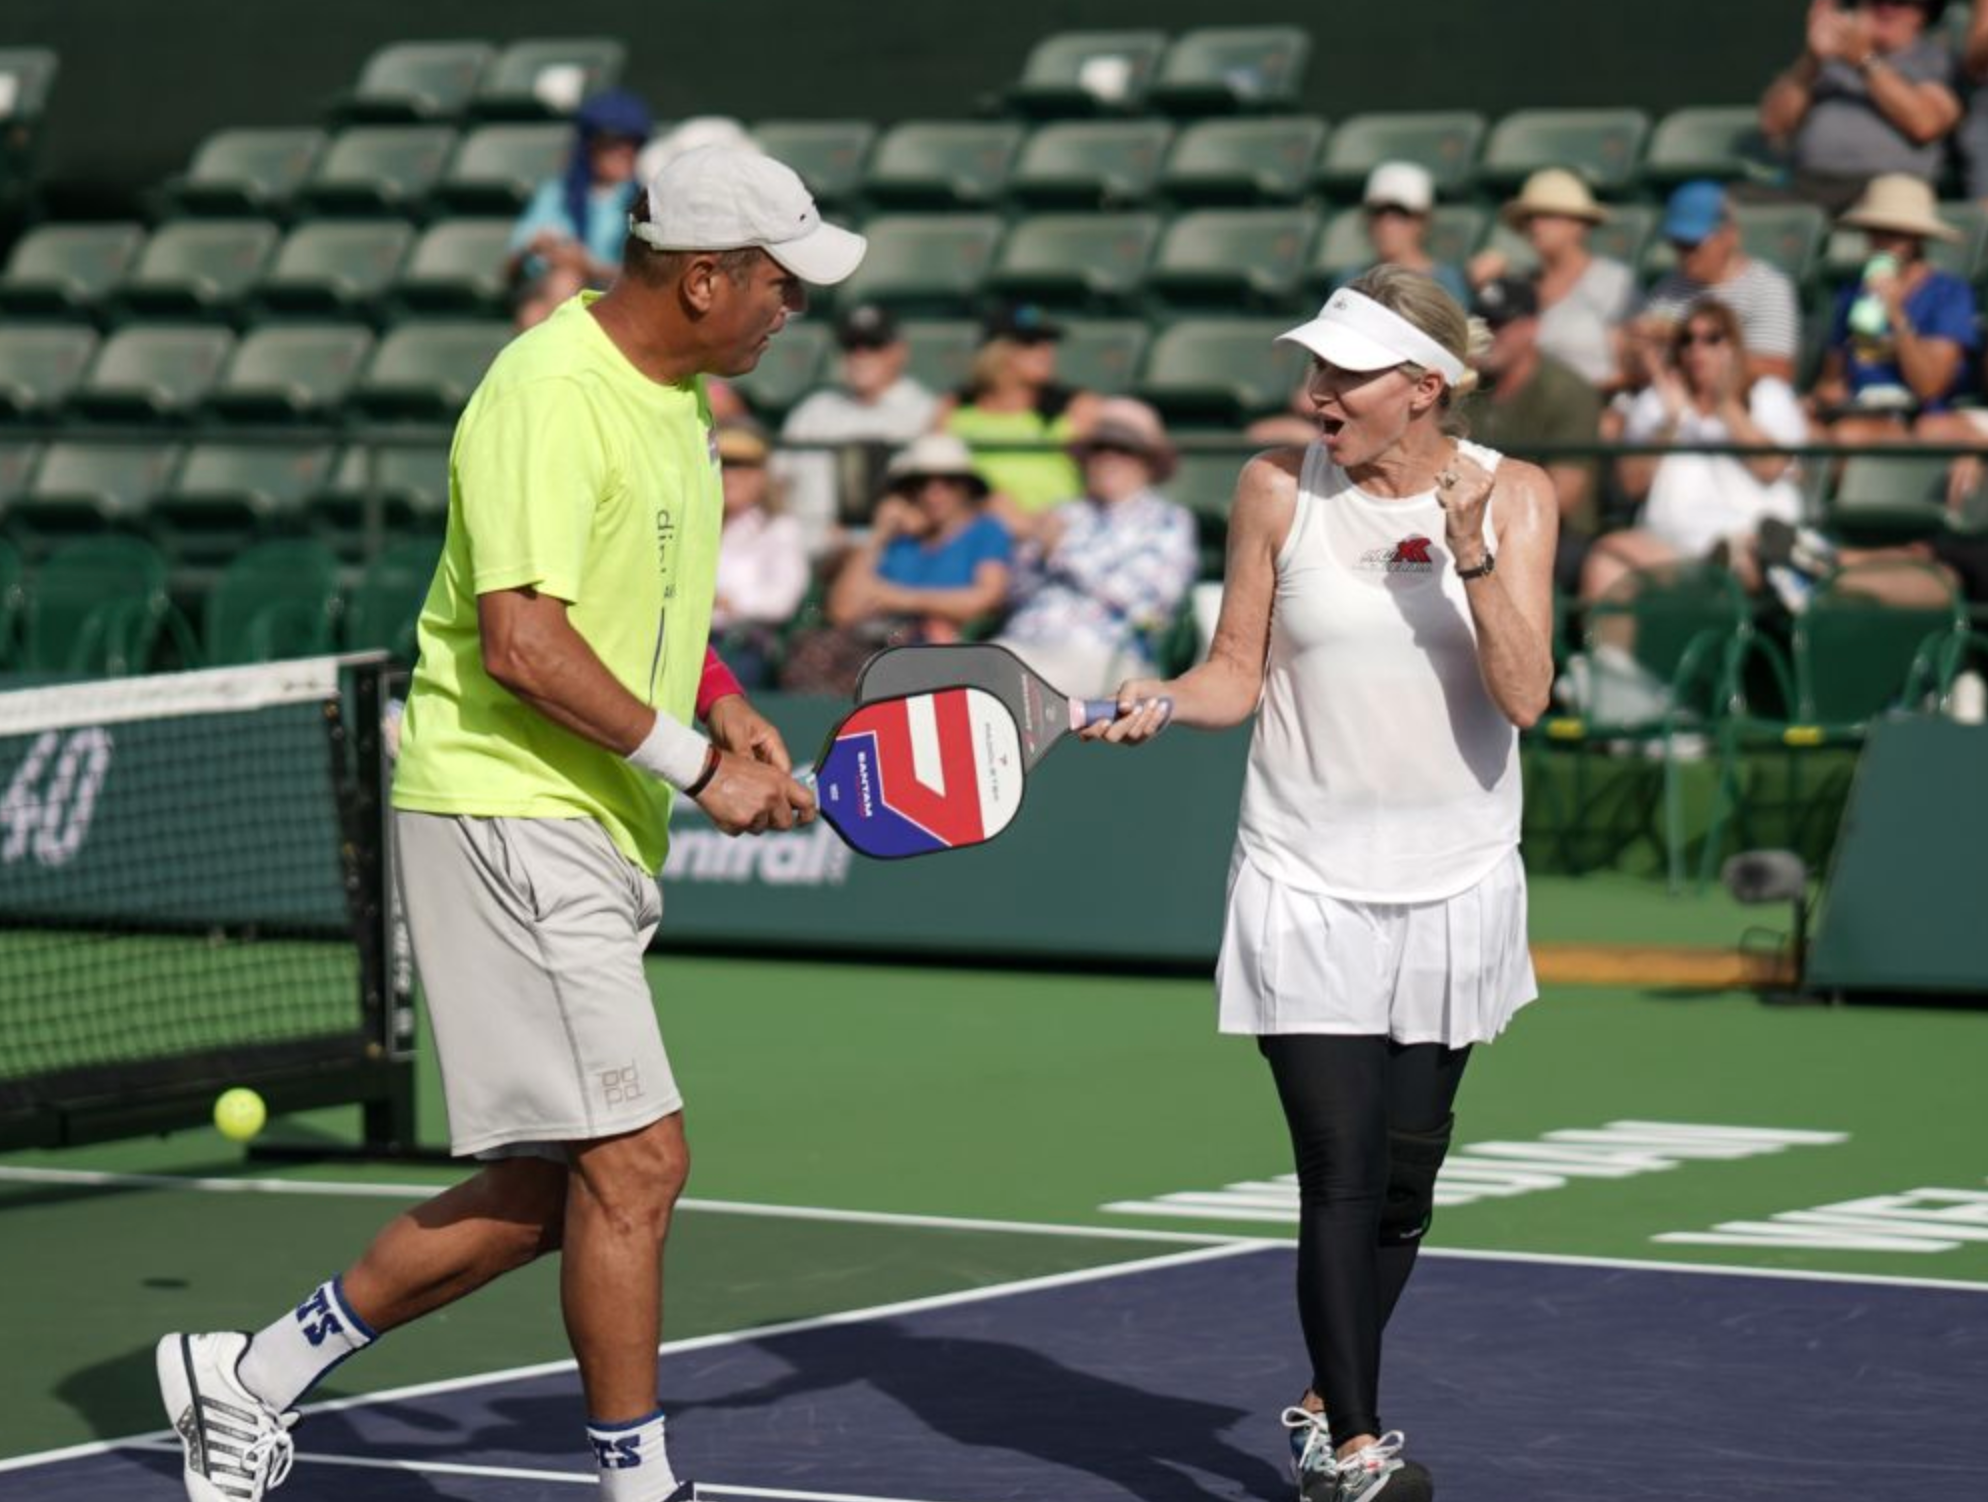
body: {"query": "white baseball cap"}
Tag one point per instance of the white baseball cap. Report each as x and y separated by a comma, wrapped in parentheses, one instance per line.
(728, 198)
(1401, 185)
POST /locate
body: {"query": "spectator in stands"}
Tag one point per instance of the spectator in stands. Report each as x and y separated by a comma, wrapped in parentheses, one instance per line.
(1012, 396)
(1701, 392)
(1902, 334)
(1105, 572)
(570, 234)
(762, 566)
(1583, 298)
(932, 563)
(1871, 93)
(1528, 401)
(1972, 136)
(1927, 574)
(1398, 200)
(1699, 225)
(872, 403)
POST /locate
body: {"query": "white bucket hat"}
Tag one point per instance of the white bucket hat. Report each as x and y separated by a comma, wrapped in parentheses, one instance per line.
(1354, 332)
(726, 198)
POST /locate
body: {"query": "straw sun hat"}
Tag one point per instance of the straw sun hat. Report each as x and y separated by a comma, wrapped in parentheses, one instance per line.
(1553, 190)
(1899, 203)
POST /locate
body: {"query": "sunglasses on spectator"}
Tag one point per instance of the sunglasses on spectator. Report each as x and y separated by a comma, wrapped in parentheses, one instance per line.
(1700, 336)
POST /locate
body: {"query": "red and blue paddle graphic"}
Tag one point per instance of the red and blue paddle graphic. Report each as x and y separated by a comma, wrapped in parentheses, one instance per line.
(922, 773)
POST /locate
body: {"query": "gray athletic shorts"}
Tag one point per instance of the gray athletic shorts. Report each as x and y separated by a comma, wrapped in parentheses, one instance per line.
(529, 935)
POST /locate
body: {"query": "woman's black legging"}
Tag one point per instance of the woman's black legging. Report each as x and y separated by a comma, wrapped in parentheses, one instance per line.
(1344, 1098)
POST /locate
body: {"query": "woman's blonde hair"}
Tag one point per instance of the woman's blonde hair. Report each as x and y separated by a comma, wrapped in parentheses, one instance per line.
(990, 365)
(1423, 302)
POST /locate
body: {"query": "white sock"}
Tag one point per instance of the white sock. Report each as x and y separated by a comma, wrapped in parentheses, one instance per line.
(285, 1360)
(634, 1465)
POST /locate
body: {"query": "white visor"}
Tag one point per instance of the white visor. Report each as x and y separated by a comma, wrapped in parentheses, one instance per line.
(1354, 332)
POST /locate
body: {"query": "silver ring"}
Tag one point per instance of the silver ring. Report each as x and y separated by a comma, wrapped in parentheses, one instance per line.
(1447, 479)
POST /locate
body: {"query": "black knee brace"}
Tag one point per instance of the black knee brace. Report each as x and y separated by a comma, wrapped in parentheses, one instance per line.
(1413, 1159)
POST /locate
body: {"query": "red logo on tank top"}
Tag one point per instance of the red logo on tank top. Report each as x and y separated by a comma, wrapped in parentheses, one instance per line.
(1409, 556)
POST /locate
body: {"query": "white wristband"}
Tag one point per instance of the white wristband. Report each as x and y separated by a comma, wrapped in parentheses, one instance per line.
(672, 751)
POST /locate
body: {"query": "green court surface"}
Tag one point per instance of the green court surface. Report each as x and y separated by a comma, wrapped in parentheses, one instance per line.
(1071, 1120)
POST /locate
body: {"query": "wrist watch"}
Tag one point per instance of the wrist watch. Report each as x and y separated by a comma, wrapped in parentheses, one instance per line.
(1489, 564)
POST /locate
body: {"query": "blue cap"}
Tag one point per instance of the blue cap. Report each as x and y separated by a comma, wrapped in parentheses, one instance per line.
(1695, 210)
(614, 112)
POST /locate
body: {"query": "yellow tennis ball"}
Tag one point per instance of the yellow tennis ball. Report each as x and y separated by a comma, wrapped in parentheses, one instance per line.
(240, 1113)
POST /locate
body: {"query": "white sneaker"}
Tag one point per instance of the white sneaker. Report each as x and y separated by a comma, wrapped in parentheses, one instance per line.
(1370, 1470)
(237, 1446)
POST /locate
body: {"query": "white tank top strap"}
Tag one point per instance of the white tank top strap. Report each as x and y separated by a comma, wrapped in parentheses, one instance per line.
(1311, 483)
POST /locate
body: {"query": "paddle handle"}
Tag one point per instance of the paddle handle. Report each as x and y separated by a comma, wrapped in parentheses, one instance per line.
(1102, 711)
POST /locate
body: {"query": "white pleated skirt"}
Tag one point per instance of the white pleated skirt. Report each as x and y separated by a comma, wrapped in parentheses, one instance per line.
(1452, 972)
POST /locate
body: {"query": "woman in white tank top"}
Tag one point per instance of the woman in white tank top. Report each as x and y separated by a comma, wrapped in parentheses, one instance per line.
(1387, 618)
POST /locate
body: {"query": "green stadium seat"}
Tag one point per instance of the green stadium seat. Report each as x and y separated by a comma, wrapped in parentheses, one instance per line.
(82, 487)
(930, 263)
(1092, 163)
(247, 172)
(69, 268)
(1879, 497)
(1102, 354)
(386, 603)
(1790, 236)
(791, 367)
(274, 600)
(40, 366)
(95, 607)
(1220, 69)
(195, 267)
(1256, 160)
(1089, 260)
(458, 266)
(539, 77)
(224, 495)
(427, 367)
(1443, 142)
(1846, 250)
(407, 484)
(152, 372)
(1628, 235)
(1455, 232)
(1717, 141)
(1205, 482)
(334, 266)
(941, 351)
(1088, 72)
(943, 163)
(498, 167)
(291, 372)
(1221, 371)
(380, 169)
(418, 81)
(1604, 146)
(829, 154)
(1252, 256)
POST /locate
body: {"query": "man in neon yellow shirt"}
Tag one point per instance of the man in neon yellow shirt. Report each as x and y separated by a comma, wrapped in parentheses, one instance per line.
(563, 659)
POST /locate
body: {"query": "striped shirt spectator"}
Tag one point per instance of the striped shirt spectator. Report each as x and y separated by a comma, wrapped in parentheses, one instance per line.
(1711, 264)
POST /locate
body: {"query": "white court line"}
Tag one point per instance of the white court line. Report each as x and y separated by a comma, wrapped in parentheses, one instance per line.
(520, 1473)
(152, 1438)
(97, 1179)
(93, 1178)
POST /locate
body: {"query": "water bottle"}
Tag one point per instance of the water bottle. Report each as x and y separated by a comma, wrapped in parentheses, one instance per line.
(1868, 319)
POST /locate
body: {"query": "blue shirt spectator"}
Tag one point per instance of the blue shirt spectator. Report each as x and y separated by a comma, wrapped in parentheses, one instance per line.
(570, 235)
(946, 562)
(1903, 333)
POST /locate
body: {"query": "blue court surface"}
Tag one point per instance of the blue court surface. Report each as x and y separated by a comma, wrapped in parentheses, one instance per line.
(1160, 1381)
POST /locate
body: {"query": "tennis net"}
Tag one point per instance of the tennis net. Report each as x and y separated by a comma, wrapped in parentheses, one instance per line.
(193, 895)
